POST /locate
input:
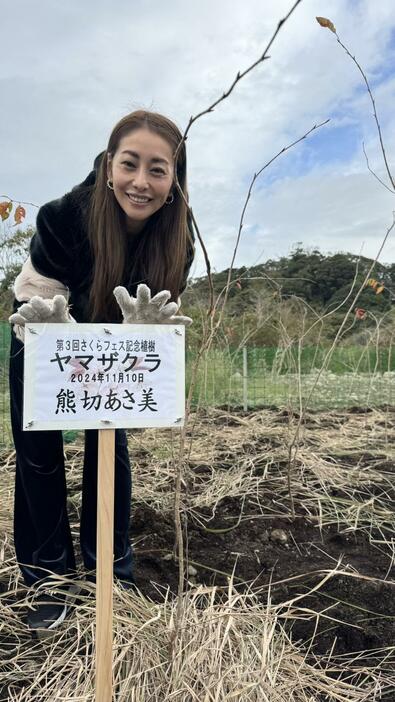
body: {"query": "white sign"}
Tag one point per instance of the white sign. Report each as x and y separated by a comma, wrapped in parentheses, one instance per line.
(93, 376)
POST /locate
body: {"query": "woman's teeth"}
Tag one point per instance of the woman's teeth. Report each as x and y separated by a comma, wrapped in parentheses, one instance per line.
(133, 198)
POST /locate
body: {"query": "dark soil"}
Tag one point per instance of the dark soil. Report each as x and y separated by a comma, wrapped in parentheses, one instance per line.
(364, 609)
(358, 606)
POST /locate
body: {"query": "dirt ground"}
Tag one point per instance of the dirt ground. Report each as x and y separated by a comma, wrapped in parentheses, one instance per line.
(291, 555)
(329, 569)
(365, 610)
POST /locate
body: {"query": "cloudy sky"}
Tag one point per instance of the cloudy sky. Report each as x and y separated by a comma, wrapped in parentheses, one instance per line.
(70, 70)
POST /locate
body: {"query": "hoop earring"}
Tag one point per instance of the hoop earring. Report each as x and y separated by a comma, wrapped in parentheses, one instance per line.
(168, 202)
(109, 184)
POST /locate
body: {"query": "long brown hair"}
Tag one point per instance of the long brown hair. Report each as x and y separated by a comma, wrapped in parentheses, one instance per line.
(160, 256)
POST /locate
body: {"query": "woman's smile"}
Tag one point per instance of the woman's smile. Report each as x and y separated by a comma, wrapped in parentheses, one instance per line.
(138, 200)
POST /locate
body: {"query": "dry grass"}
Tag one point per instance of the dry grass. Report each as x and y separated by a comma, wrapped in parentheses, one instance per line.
(351, 453)
(233, 650)
(231, 645)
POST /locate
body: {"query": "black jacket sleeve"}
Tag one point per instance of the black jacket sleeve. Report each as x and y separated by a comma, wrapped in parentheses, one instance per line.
(52, 245)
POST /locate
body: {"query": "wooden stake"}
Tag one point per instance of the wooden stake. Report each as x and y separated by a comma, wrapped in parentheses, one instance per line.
(104, 565)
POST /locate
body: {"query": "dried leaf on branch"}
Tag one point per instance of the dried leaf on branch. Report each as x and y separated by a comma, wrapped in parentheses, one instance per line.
(324, 22)
(5, 210)
(19, 214)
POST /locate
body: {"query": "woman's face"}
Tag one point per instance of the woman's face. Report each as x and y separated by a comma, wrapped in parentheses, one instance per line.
(141, 171)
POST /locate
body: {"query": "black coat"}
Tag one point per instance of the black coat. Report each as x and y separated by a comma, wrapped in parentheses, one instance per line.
(60, 247)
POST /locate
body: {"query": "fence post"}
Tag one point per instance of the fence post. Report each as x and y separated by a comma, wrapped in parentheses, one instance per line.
(245, 380)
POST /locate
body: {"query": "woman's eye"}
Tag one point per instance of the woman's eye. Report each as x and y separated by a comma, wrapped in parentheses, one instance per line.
(157, 171)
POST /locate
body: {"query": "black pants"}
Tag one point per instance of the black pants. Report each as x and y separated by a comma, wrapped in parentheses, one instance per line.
(42, 534)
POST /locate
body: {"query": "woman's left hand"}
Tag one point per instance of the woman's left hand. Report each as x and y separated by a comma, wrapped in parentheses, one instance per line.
(146, 310)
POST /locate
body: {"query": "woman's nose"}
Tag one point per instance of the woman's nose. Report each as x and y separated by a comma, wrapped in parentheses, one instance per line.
(139, 179)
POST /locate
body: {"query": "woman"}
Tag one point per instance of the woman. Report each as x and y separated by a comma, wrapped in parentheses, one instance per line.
(125, 224)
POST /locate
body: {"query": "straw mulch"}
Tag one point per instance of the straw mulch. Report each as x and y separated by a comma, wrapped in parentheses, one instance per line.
(235, 640)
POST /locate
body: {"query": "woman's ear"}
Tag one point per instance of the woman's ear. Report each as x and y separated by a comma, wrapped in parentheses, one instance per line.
(109, 166)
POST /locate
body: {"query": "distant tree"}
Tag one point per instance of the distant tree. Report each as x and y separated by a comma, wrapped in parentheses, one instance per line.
(14, 248)
(263, 302)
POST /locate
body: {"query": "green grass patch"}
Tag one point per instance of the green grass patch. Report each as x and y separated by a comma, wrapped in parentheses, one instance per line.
(344, 359)
(220, 381)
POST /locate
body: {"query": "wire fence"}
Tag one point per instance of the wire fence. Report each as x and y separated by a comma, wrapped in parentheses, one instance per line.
(249, 378)
(257, 377)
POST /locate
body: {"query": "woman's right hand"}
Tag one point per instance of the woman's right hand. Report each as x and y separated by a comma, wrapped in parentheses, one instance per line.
(40, 310)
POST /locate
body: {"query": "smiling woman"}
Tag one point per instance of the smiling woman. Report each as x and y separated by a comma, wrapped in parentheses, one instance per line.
(124, 225)
(153, 237)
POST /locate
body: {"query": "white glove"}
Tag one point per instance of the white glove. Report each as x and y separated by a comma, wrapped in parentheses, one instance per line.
(40, 310)
(145, 309)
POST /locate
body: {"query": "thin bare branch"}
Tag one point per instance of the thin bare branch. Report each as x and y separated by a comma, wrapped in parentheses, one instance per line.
(373, 173)
(20, 202)
(256, 175)
(391, 179)
(211, 108)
